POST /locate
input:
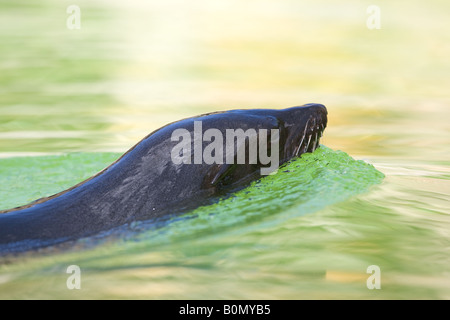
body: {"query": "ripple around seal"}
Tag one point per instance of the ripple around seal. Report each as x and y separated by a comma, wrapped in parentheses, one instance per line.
(301, 186)
(238, 228)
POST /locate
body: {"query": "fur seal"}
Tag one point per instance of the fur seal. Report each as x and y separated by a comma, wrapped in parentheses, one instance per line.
(152, 180)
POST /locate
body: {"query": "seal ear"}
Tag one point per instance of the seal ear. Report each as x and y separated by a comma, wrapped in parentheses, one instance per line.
(219, 174)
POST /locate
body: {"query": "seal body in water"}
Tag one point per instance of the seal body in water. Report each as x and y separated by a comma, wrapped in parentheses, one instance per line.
(151, 180)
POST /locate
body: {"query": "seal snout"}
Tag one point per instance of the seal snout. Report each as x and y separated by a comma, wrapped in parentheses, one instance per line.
(297, 115)
(305, 125)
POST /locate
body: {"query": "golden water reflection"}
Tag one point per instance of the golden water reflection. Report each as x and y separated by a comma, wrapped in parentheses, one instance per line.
(137, 65)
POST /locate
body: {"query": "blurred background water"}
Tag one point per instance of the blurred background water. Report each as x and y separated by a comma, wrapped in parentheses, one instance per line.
(137, 65)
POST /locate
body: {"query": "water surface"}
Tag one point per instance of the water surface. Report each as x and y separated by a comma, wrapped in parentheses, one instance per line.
(134, 67)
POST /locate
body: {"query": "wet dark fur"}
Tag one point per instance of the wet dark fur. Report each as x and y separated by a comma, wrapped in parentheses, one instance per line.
(144, 183)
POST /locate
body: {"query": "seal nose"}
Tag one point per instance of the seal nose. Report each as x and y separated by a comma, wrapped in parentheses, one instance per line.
(319, 108)
(302, 113)
(321, 113)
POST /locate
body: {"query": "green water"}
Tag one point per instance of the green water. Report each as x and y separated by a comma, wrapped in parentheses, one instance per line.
(310, 232)
(247, 220)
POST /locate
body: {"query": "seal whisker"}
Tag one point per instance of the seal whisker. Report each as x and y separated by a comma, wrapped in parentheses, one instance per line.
(309, 140)
(299, 145)
(314, 124)
(297, 149)
(303, 138)
(316, 142)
